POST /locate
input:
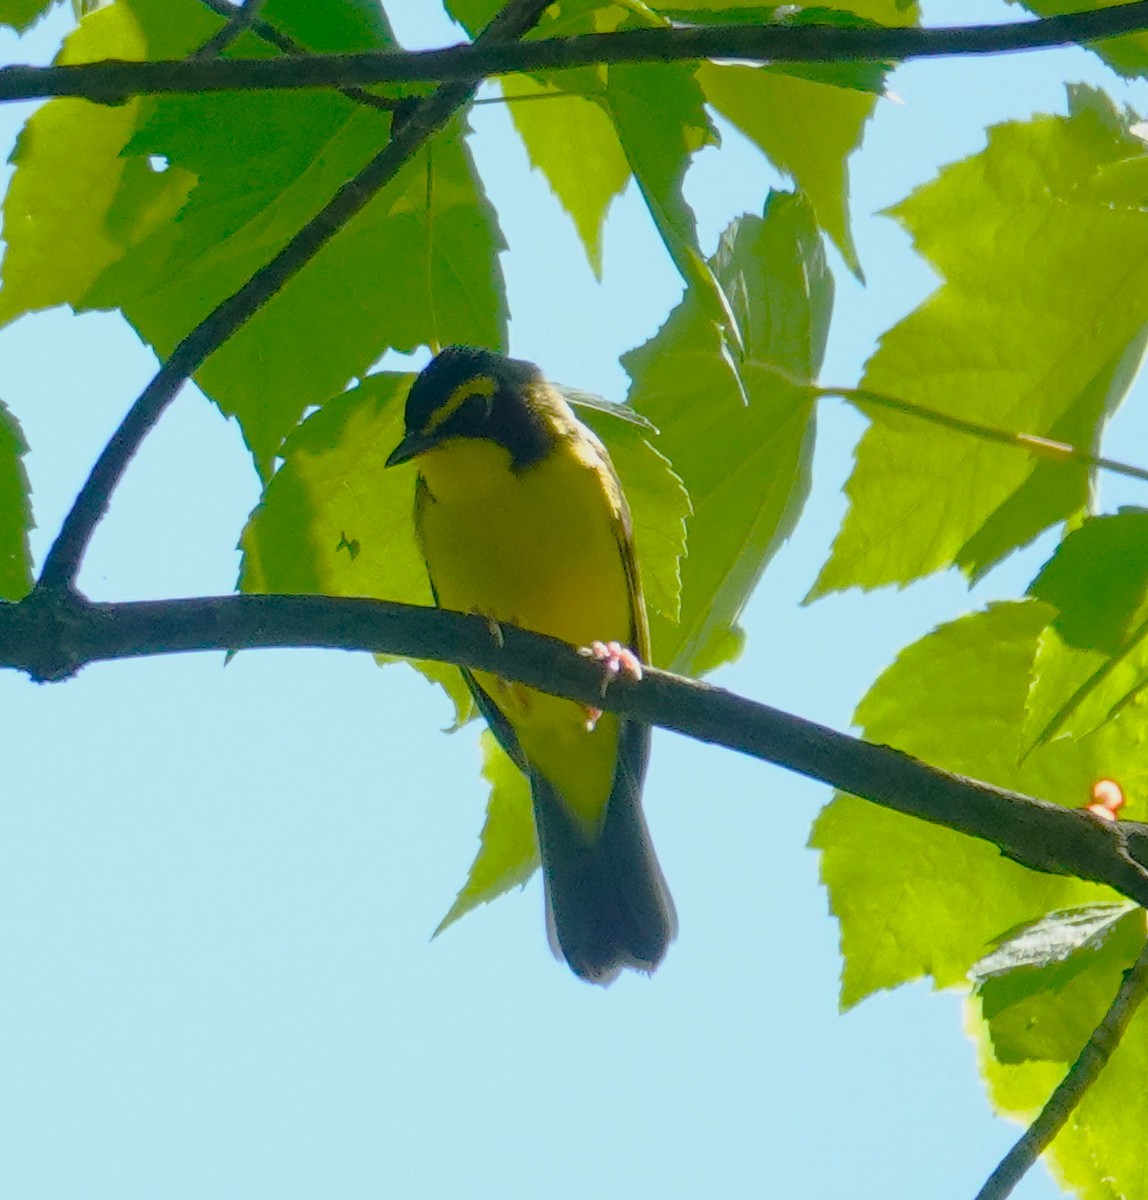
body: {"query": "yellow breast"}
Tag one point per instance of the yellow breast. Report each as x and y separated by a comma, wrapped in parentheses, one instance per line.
(537, 548)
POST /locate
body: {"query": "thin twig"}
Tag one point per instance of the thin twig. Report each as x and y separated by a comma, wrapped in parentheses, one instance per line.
(1069, 1092)
(112, 82)
(269, 34)
(50, 636)
(1045, 447)
(239, 20)
(426, 118)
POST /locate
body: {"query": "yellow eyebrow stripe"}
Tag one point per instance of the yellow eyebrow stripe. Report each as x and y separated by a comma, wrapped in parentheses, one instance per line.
(480, 385)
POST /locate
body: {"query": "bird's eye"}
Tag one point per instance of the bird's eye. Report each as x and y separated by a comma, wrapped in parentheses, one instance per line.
(470, 404)
(477, 409)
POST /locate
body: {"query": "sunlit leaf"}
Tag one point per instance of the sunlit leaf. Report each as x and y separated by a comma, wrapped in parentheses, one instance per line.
(806, 129)
(659, 114)
(20, 14)
(264, 163)
(335, 522)
(1044, 988)
(1093, 658)
(508, 848)
(1004, 343)
(15, 511)
(659, 505)
(915, 899)
(74, 205)
(1098, 1153)
(571, 140)
(744, 465)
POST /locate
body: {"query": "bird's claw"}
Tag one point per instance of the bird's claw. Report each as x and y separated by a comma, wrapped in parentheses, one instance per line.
(495, 631)
(616, 660)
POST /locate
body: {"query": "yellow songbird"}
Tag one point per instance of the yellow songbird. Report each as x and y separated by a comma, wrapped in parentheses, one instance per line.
(521, 518)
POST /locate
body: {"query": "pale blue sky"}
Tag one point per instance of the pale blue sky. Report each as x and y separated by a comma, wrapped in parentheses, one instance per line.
(217, 885)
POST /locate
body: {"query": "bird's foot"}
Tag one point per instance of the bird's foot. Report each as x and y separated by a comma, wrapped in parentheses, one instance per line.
(616, 660)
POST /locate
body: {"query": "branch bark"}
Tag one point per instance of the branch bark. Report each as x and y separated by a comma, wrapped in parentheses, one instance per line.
(1070, 1090)
(51, 636)
(114, 81)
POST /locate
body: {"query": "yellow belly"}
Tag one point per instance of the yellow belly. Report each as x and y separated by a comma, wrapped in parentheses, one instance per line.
(537, 549)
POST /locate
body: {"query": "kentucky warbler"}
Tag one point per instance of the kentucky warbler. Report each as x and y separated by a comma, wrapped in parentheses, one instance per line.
(521, 518)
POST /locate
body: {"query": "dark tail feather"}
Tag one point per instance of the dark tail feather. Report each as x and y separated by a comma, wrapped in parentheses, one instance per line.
(607, 904)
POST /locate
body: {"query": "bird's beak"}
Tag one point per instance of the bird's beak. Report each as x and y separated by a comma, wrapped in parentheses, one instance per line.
(410, 447)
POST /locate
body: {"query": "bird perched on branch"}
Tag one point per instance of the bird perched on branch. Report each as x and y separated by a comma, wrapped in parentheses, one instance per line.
(522, 519)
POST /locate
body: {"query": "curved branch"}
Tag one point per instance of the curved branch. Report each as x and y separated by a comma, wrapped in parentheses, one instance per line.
(1070, 1090)
(52, 636)
(113, 81)
(426, 117)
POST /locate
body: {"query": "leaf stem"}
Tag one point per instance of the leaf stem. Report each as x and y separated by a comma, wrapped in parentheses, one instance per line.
(1068, 1093)
(1042, 446)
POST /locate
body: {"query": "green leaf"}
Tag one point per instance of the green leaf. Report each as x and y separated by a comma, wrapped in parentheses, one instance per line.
(571, 140)
(1049, 944)
(1106, 1151)
(20, 14)
(1093, 659)
(1046, 986)
(15, 511)
(916, 899)
(331, 493)
(346, 26)
(508, 848)
(472, 15)
(333, 521)
(743, 457)
(1099, 1153)
(74, 205)
(659, 115)
(806, 129)
(1002, 343)
(659, 505)
(431, 227)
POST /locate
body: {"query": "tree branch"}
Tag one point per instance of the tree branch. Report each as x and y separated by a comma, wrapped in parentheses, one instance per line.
(269, 34)
(113, 81)
(1070, 1091)
(50, 636)
(426, 117)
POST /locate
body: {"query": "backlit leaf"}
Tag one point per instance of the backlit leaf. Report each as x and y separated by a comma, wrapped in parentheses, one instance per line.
(1004, 343)
(915, 899)
(508, 847)
(743, 457)
(15, 511)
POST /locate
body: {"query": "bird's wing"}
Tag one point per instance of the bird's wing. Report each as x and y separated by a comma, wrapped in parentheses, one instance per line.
(495, 718)
(624, 536)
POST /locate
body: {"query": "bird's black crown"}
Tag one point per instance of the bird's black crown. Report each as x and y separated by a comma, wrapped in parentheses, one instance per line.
(470, 392)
